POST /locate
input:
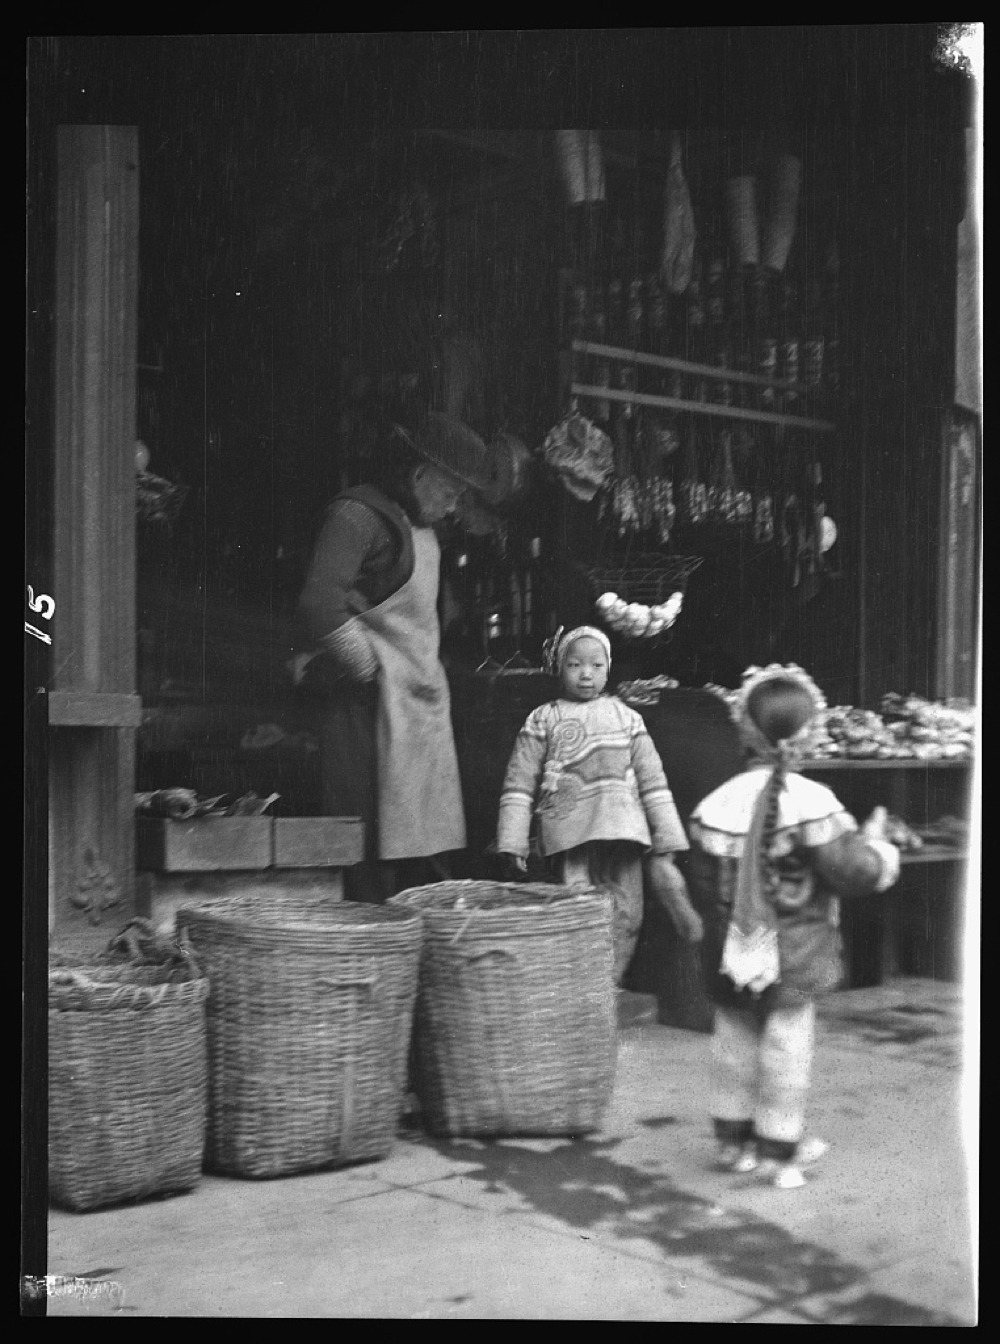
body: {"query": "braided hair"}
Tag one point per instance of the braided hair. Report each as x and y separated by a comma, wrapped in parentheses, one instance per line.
(780, 707)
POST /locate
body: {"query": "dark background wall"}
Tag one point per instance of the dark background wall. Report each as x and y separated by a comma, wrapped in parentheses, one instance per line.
(274, 173)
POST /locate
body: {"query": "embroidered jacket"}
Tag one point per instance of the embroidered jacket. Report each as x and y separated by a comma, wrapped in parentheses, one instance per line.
(590, 771)
(820, 857)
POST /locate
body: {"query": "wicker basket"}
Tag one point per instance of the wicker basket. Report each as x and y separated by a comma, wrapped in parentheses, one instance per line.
(128, 1084)
(309, 1021)
(515, 1028)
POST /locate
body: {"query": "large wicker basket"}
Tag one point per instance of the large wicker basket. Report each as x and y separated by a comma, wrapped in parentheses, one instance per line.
(515, 1027)
(309, 1020)
(127, 1084)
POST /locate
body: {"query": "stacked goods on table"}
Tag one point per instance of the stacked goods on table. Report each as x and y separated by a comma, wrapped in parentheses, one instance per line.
(907, 728)
(127, 1071)
(309, 1020)
(645, 690)
(516, 1028)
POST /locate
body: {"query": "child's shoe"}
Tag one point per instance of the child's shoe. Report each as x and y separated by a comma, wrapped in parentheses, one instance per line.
(737, 1157)
(810, 1151)
(747, 1160)
(788, 1175)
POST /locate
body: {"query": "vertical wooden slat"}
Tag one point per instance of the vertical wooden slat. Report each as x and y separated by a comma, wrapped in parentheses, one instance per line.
(96, 305)
(96, 298)
(958, 560)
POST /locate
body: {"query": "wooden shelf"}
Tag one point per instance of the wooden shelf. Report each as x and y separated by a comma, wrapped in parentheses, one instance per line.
(935, 854)
(886, 763)
(624, 356)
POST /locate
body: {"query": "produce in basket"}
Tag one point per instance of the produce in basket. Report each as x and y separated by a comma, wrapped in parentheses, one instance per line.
(636, 620)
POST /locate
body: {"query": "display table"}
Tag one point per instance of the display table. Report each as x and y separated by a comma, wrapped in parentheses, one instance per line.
(915, 927)
(215, 857)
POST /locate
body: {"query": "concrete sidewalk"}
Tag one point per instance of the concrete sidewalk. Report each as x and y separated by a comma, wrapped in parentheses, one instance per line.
(632, 1223)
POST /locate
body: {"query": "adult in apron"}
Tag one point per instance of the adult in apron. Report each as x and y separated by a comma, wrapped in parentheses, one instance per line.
(370, 600)
(420, 808)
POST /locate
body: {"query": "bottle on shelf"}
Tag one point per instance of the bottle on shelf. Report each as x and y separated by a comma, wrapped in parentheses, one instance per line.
(694, 490)
(788, 352)
(813, 349)
(533, 590)
(515, 603)
(634, 314)
(766, 334)
(715, 294)
(616, 311)
(600, 368)
(629, 373)
(575, 318)
(694, 333)
(623, 420)
(656, 337)
(742, 328)
(831, 323)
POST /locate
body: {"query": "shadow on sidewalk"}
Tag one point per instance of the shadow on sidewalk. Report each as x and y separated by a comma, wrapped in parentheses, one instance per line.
(580, 1183)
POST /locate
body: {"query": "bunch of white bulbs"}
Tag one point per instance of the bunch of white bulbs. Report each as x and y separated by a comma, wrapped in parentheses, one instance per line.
(635, 620)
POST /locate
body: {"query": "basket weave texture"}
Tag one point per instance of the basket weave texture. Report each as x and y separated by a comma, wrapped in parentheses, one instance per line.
(128, 1084)
(309, 1021)
(515, 1029)
(646, 578)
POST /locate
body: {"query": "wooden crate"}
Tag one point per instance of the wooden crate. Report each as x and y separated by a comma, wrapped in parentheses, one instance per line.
(241, 844)
(207, 844)
(317, 842)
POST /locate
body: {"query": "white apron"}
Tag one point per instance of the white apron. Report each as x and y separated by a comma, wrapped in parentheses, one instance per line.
(419, 790)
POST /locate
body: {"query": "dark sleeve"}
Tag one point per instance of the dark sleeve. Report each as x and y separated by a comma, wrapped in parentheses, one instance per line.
(351, 534)
(853, 866)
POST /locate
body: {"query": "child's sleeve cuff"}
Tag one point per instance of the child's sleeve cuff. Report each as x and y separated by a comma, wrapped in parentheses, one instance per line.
(889, 858)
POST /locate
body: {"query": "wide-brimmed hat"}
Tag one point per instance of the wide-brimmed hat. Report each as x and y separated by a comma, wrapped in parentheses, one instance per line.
(449, 444)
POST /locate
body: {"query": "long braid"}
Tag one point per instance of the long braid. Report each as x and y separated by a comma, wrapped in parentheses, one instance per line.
(775, 785)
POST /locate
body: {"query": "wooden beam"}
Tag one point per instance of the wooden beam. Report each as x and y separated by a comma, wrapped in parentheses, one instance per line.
(92, 771)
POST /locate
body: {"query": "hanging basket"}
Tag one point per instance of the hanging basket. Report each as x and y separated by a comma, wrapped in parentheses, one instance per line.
(642, 599)
(645, 578)
(309, 1022)
(127, 1084)
(515, 1030)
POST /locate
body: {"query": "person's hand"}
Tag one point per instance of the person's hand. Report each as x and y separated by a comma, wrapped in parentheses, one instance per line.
(670, 890)
(514, 865)
(876, 826)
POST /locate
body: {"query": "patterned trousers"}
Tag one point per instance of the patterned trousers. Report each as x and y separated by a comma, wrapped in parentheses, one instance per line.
(616, 864)
(761, 1066)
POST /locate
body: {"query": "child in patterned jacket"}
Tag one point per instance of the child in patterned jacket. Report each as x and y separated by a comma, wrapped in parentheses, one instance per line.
(585, 766)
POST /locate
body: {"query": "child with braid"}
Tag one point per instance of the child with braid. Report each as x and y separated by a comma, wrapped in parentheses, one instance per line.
(772, 853)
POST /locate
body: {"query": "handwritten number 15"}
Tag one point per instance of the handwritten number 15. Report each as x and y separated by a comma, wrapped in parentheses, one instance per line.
(45, 606)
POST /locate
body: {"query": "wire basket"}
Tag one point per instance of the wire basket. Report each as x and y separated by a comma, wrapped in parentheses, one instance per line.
(647, 579)
(642, 600)
(309, 1021)
(128, 1084)
(515, 1029)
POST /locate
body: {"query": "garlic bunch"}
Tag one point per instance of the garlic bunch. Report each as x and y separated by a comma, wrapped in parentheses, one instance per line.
(635, 620)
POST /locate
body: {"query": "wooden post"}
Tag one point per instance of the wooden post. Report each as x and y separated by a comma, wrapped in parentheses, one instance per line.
(93, 707)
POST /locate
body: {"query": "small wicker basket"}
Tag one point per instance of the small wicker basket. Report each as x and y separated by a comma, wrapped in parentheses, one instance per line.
(127, 1084)
(515, 1029)
(309, 1021)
